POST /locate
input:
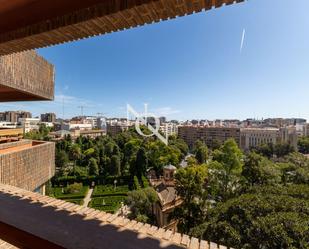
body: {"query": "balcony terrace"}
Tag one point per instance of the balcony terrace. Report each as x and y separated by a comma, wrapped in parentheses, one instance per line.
(31, 220)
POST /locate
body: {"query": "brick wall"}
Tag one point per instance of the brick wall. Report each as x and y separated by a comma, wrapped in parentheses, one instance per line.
(26, 76)
(28, 168)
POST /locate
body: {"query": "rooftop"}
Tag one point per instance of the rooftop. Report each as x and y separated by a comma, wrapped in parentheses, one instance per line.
(170, 167)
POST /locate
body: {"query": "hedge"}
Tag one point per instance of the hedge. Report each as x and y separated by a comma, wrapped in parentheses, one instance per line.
(87, 180)
(57, 193)
(104, 190)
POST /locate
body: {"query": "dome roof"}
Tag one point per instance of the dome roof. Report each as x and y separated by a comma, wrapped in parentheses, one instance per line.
(170, 167)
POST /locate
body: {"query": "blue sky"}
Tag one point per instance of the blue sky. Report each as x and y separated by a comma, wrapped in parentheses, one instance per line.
(191, 67)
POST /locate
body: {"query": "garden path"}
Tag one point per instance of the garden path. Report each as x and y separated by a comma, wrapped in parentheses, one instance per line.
(87, 198)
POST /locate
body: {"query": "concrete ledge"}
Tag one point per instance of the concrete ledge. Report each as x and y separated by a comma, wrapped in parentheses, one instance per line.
(56, 222)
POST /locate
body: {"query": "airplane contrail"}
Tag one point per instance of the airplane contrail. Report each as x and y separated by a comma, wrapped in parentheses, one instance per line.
(242, 40)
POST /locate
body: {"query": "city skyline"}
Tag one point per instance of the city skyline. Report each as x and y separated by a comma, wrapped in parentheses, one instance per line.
(29, 114)
(259, 73)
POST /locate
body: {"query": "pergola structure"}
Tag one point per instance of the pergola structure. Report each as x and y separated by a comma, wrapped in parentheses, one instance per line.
(31, 220)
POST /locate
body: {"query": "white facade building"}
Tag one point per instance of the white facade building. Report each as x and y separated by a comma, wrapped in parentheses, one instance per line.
(254, 137)
(101, 123)
(29, 124)
(8, 125)
(74, 126)
(169, 129)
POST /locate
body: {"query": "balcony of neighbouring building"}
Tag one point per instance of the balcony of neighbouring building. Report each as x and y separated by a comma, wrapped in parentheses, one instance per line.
(26, 76)
(27, 164)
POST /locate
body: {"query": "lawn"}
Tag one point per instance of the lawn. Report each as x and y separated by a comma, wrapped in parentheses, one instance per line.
(108, 198)
(103, 190)
(108, 204)
(60, 193)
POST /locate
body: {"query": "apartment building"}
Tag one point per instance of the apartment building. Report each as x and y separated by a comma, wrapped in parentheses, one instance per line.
(289, 135)
(169, 129)
(48, 118)
(254, 137)
(210, 135)
(101, 123)
(29, 124)
(306, 130)
(13, 116)
(74, 126)
(115, 129)
(92, 120)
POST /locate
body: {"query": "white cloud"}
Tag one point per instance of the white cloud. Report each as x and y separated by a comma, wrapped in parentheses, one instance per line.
(72, 100)
(165, 111)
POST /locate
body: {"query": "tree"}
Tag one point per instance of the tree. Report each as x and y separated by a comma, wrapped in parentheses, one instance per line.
(258, 170)
(295, 168)
(180, 144)
(266, 150)
(93, 167)
(145, 182)
(191, 161)
(267, 217)
(303, 145)
(89, 152)
(279, 149)
(226, 169)
(141, 163)
(283, 149)
(74, 188)
(136, 185)
(201, 154)
(141, 203)
(130, 150)
(75, 152)
(61, 159)
(115, 168)
(190, 186)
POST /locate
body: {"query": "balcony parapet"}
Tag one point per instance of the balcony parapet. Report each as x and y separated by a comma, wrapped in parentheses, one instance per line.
(26, 76)
(35, 221)
(27, 164)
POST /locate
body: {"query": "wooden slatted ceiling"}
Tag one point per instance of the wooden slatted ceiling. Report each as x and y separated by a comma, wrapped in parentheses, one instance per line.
(101, 18)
